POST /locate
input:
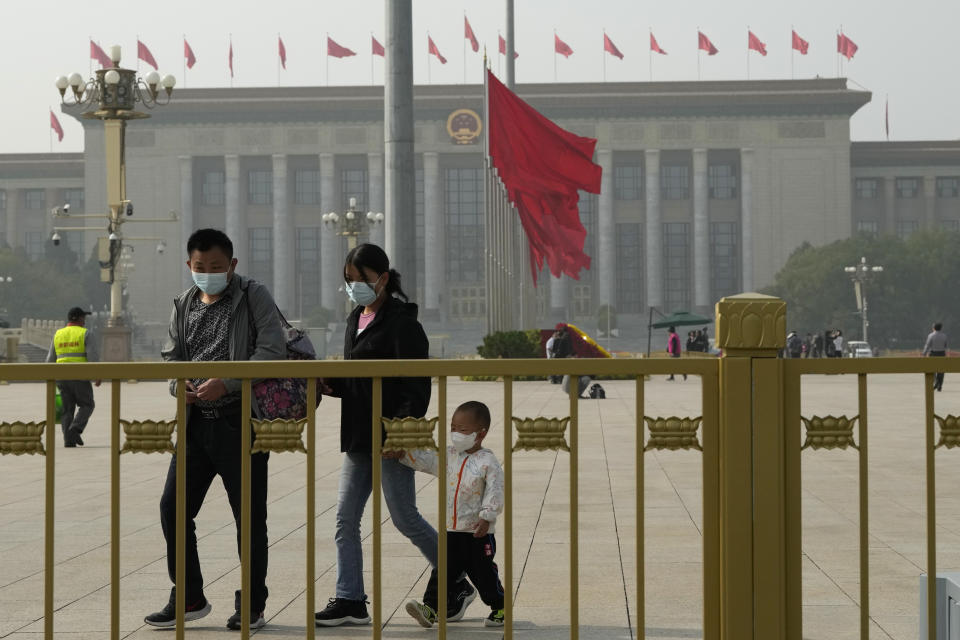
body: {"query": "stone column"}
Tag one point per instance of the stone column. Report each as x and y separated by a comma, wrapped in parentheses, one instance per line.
(701, 231)
(375, 195)
(559, 298)
(654, 230)
(331, 260)
(235, 220)
(13, 208)
(929, 203)
(435, 280)
(284, 243)
(606, 242)
(889, 205)
(746, 219)
(187, 224)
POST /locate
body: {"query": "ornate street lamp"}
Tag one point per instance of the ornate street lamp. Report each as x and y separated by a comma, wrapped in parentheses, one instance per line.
(859, 274)
(113, 96)
(352, 223)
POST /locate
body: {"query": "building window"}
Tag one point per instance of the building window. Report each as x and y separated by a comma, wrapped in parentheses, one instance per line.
(907, 187)
(950, 225)
(629, 268)
(260, 187)
(34, 199)
(627, 182)
(722, 181)
(866, 188)
(353, 184)
(463, 205)
(676, 272)
(76, 198)
(582, 300)
(587, 206)
(308, 271)
(675, 181)
(33, 243)
(948, 187)
(724, 259)
(306, 186)
(868, 227)
(906, 228)
(212, 191)
(261, 255)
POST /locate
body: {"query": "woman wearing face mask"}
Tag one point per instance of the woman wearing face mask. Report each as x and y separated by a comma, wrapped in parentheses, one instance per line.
(382, 326)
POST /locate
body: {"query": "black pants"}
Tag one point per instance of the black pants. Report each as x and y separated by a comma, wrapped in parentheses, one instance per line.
(938, 381)
(77, 399)
(213, 449)
(475, 557)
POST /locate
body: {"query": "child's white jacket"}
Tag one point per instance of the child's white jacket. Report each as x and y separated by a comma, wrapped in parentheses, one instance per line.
(474, 485)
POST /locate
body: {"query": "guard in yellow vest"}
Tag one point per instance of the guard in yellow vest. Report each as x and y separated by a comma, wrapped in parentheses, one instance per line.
(74, 343)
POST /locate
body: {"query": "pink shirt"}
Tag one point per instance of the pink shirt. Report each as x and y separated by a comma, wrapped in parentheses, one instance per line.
(365, 320)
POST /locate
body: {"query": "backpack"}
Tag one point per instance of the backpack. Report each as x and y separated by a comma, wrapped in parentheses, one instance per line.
(284, 398)
(597, 392)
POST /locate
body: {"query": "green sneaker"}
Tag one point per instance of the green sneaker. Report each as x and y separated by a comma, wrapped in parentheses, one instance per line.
(495, 619)
(421, 613)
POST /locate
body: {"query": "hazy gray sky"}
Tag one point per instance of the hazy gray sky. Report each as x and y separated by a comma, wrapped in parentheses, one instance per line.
(907, 49)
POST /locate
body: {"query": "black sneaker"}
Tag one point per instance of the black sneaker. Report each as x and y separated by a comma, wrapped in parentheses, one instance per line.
(495, 619)
(256, 620)
(458, 607)
(167, 617)
(342, 611)
(422, 613)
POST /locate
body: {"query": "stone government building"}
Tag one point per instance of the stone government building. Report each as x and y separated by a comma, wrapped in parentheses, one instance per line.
(708, 187)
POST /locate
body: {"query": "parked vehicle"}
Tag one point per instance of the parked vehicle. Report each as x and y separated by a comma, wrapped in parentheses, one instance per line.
(859, 349)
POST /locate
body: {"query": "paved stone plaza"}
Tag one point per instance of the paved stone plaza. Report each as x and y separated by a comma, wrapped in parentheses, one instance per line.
(607, 608)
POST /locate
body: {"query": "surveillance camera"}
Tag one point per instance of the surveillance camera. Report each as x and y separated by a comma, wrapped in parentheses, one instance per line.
(129, 208)
(56, 239)
(161, 247)
(66, 207)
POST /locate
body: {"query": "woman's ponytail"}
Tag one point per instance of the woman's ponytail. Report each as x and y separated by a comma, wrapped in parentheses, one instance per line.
(393, 285)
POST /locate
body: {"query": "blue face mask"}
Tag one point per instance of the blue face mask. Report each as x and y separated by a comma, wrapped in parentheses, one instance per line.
(361, 293)
(210, 283)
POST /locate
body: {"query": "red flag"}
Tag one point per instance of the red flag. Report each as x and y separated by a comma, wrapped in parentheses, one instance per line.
(283, 52)
(230, 58)
(800, 44)
(561, 47)
(654, 46)
(98, 54)
(503, 47)
(611, 48)
(377, 48)
(144, 54)
(846, 46)
(469, 35)
(435, 51)
(335, 50)
(55, 125)
(188, 54)
(703, 42)
(542, 167)
(753, 42)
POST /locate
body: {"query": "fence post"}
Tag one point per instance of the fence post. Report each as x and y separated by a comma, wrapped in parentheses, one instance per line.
(751, 330)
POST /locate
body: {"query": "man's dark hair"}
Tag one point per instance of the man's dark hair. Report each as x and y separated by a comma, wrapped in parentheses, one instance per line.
(478, 410)
(206, 239)
(938, 326)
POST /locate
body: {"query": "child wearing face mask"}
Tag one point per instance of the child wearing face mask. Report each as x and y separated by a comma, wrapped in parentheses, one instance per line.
(474, 499)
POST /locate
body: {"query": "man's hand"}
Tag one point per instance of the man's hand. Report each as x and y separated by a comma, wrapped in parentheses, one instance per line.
(212, 390)
(191, 392)
(481, 529)
(325, 388)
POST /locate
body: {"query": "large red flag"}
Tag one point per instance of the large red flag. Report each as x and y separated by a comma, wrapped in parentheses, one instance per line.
(98, 54)
(144, 54)
(283, 52)
(542, 167)
(55, 125)
(703, 42)
(432, 48)
(753, 42)
(469, 35)
(230, 58)
(377, 48)
(335, 50)
(188, 54)
(800, 44)
(846, 46)
(561, 47)
(654, 46)
(503, 47)
(611, 48)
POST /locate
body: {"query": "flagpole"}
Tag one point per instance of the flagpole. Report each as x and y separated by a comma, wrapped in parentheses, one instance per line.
(138, 54)
(464, 48)
(839, 61)
(231, 61)
(90, 63)
(498, 54)
(698, 52)
(428, 58)
(793, 73)
(554, 55)
(278, 59)
(603, 54)
(748, 52)
(50, 127)
(650, 56)
(371, 58)
(184, 62)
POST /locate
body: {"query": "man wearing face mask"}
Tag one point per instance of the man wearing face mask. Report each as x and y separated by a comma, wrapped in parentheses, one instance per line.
(222, 317)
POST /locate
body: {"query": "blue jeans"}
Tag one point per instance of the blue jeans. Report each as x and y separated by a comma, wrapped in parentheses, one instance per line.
(399, 490)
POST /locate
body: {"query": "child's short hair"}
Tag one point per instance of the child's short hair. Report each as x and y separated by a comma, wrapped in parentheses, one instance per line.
(478, 410)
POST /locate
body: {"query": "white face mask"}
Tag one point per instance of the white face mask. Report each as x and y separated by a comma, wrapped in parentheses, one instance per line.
(463, 441)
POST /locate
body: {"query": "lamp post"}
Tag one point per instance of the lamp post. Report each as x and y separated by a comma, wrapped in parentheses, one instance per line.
(859, 274)
(112, 96)
(5, 280)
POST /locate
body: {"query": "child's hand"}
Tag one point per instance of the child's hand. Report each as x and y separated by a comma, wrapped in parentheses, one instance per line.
(392, 455)
(481, 529)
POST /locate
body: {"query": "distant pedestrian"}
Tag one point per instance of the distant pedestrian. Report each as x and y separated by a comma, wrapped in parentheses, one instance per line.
(794, 345)
(74, 343)
(936, 347)
(673, 347)
(838, 344)
(818, 346)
